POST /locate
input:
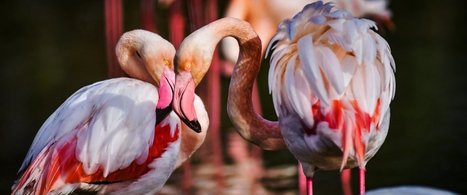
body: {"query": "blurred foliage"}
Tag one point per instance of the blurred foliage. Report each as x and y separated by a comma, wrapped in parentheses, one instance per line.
(50, 49)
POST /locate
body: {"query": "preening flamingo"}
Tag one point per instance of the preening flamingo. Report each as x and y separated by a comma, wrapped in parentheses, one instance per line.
(115, 136)
(332, 80)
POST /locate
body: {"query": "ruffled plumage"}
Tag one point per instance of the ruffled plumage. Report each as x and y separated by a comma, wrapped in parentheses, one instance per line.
(105, 132)
(336, 74)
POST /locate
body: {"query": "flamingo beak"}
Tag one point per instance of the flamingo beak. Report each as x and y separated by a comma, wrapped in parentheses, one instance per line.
(184, 100)
(166, 91)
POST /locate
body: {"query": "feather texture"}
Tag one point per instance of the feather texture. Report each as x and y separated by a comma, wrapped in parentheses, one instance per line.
(82, 140)
(335, 73)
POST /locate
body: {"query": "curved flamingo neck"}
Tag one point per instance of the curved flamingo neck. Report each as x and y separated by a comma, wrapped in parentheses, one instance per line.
(248, 123)
(144, 55)
(130, 61)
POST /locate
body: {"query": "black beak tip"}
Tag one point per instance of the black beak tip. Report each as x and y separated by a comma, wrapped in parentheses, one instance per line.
(161, 114)
(195, 126)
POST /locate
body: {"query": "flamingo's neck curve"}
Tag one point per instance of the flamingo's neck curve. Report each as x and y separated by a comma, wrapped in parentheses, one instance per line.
(248, 123)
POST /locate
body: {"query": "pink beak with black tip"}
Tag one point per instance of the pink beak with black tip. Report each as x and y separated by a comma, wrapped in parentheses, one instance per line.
(183, 101)
(166, 91)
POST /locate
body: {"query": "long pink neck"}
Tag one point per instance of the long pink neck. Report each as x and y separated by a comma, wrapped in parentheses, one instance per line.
(248, 123)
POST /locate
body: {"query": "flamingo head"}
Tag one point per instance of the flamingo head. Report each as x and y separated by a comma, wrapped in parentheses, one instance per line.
(148, 57)
(188, 76)
(193, 60)
(184, 100)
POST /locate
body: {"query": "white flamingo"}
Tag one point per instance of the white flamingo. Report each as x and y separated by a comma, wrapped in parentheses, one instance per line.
(332, 80)
(116, 136)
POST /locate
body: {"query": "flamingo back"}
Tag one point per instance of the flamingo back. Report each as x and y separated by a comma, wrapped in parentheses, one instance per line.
(336, 74)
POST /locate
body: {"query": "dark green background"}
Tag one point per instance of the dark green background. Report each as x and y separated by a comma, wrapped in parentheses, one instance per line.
(49, 49)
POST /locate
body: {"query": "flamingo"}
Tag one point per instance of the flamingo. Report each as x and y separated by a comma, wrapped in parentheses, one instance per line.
(116, 136)
(331, 78)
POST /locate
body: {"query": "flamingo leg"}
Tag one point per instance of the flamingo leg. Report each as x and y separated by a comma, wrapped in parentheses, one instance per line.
(309, 186)
(362, 181)
(345, 179)
(301, 180)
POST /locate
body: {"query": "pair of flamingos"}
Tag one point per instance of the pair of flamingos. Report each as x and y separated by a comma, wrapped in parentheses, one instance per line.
(331, 79)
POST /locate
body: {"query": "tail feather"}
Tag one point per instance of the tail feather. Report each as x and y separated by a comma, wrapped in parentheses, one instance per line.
(56, 169)
(32, 180)
(346, 143)
(52, 172)
(43, 174)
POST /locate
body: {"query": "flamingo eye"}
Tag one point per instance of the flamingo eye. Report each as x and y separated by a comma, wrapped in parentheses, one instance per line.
(138, 54)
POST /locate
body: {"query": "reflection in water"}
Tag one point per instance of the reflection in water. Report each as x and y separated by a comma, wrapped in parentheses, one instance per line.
(239, 178)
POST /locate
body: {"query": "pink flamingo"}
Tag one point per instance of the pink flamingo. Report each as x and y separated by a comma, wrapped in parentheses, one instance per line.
(331, 79)
(115, 136)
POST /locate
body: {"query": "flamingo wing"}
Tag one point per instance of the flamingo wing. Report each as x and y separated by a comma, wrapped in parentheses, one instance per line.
(104, 133)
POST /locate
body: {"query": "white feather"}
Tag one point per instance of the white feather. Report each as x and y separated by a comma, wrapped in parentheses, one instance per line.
(298, 91)
(363, 74)
(113, 122)
(349, 66)
(331, 67)
(311, 68)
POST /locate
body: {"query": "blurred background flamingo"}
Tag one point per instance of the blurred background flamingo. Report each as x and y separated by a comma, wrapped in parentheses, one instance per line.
(66, 50)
